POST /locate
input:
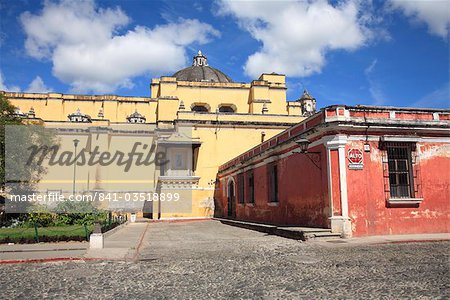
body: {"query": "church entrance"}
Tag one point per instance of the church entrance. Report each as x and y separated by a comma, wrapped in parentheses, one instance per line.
(231, 200)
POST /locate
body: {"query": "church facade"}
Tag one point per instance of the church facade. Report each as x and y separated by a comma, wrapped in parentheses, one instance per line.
(198, 117)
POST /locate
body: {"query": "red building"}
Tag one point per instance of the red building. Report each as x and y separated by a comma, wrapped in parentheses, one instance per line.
(359, 170)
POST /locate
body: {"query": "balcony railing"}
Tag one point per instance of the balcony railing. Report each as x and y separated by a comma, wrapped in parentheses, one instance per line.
(178, 173)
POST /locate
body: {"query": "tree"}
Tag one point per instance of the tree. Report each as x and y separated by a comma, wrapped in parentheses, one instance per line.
(17, 177)
(7, 117)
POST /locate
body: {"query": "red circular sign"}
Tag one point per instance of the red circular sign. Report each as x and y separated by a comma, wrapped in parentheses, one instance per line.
(355, 156)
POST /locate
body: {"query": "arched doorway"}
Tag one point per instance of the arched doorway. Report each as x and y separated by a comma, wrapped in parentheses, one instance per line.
(231, 199)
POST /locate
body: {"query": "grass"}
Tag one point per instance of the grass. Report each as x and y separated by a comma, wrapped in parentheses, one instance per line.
(29, 233)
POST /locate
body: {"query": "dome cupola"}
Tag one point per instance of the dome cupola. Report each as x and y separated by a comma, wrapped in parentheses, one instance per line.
(200, 71)
(308, 104)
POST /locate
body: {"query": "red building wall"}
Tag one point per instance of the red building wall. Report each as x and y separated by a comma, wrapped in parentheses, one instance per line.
(360, 197)
(368, 209)
(303, 198)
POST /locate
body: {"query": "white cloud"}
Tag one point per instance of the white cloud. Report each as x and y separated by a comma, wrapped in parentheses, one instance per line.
(375, 89)
(89, 53)
(439, 98)
(35, 86)
(435, 13)
(4, 87)
(296, 35)
(38, 86)
(198, 6)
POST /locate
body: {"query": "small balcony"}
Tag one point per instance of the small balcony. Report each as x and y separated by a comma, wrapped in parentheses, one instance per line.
(178, 178)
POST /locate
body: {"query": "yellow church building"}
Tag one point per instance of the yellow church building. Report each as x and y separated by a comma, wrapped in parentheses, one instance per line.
(198, 117)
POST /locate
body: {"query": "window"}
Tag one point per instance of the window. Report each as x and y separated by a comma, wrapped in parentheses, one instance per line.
(179, 162)
(251, 188)
(273, 183)
(400, 170)
(241, 188)
(199, 108)
(226, 109)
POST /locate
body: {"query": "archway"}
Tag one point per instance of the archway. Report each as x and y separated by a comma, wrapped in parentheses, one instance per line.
(231, 211)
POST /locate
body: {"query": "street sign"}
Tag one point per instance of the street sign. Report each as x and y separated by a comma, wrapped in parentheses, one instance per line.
(355, 157)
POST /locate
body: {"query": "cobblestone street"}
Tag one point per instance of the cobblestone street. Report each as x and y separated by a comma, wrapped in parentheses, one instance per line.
(207, 259)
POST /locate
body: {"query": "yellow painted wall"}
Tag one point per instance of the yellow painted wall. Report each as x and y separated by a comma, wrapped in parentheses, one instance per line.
(222, 136)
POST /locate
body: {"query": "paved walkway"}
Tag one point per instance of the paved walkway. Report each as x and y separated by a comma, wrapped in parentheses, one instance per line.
(205, 260)
(197, 239)
(43, 251)
(122, 244)
(387, 239)
(145, 241)
(320, 234)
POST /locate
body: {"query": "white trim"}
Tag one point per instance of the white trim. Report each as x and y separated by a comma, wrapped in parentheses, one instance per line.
(392, 115)
(405, 200)
(271, 159)
(346, 113)
(273, 203)
(376, 138)
(411, 126)
(334, 142)
(343, 180)
(330, 183)
(267, 160)
(399, 138)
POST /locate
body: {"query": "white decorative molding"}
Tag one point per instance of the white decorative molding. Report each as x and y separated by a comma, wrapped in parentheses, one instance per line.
(392, 115)
(405, 200)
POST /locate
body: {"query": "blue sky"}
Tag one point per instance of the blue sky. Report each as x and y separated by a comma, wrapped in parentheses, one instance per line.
(389, 52)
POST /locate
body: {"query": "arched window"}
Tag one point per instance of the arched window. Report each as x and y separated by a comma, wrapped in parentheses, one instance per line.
(199, 108)
(226, 109)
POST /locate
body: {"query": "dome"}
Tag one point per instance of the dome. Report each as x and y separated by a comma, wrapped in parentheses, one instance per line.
(201, 71)
(306, 96)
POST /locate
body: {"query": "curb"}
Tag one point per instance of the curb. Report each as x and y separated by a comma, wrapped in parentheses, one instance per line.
(44, 260)
(265, 228)
(109, 232)
(139, 244)
(180, 220)
(413, 241)
(303, 234)
(43, 250)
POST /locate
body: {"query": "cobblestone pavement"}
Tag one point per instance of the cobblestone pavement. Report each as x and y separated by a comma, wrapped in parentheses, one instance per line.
(210, 260)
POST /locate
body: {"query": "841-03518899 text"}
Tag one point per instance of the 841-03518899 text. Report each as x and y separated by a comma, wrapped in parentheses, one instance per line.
(136, 196)
(97, 196)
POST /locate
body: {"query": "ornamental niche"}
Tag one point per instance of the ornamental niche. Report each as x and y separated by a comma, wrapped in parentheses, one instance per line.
(19, 114)
(79, 117)
(136, 118)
